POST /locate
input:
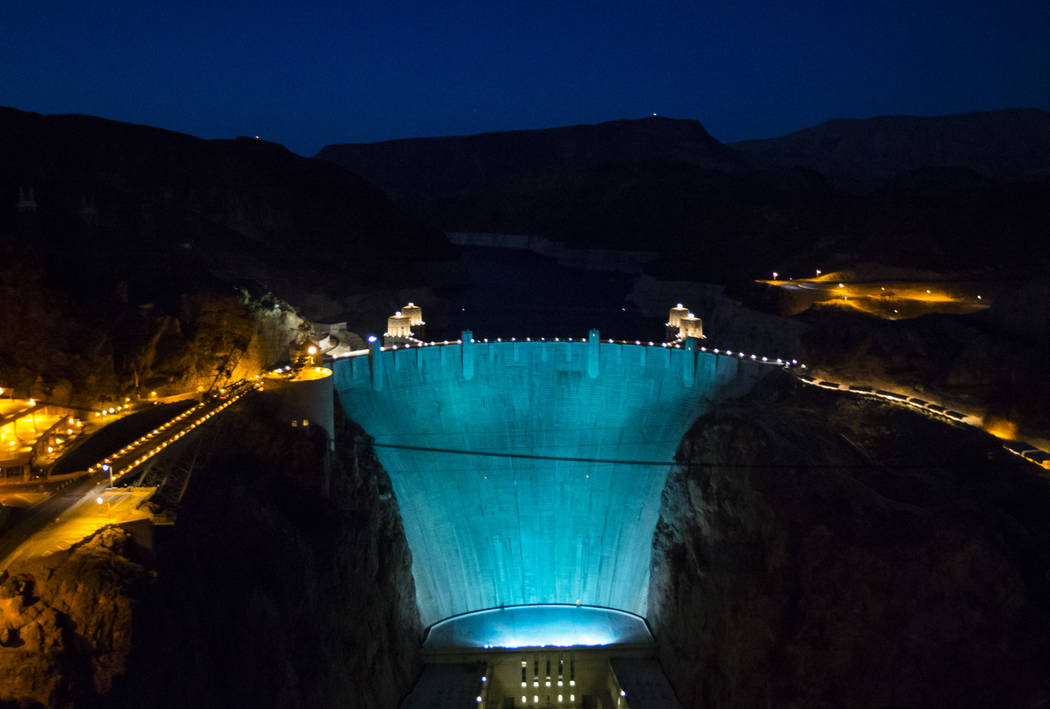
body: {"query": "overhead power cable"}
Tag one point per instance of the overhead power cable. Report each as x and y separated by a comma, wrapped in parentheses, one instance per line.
(664, 463)
(527, 456)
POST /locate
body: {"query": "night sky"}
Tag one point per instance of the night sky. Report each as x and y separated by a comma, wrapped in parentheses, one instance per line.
(347, 71)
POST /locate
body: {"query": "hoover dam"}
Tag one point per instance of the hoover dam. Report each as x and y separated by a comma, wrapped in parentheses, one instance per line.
(530, 472)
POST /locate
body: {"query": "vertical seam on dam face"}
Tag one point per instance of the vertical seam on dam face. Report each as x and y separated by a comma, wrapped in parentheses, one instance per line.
(491, 530)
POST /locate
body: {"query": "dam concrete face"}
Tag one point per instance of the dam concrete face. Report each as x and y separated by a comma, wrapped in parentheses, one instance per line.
(531, 472)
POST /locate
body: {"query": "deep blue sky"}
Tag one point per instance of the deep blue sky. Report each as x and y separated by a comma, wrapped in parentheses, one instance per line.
(348, 71)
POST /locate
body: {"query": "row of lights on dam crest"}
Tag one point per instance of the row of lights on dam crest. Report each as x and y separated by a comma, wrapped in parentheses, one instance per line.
(406, 327)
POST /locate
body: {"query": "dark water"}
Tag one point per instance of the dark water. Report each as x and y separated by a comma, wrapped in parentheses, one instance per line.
(518, 293)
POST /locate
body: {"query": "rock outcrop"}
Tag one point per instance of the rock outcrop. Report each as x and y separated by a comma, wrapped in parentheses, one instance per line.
(967, 362)
(145, 294)
(818, 550)
(272, 593)
(67, 620)
(285, 582)
(67, 350)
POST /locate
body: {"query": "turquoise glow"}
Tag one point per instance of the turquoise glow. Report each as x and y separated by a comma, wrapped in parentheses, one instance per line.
(489, 530)
(538, 626)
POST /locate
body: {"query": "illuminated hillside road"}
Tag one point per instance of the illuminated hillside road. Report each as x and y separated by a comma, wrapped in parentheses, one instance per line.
(1037, 454)
(891, 300)
(545, 516)
(48, 513)
(73, 510)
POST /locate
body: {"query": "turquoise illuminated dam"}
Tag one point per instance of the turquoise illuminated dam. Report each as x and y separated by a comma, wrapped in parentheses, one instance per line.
(531, 472)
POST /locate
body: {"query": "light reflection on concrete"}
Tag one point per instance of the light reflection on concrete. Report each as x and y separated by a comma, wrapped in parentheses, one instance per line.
(107, 507)
(539, 626)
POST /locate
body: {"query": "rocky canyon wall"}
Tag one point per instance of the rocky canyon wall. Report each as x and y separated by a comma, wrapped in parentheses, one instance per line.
(816, 549)
(286, 582)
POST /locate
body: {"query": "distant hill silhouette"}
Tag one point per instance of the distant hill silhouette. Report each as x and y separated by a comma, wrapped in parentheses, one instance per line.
(1009, 144)
(123, 250)
(721, 212)
(457, 163)
(147, 206)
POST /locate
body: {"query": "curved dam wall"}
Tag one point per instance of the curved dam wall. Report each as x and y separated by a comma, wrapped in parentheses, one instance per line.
(553, 458)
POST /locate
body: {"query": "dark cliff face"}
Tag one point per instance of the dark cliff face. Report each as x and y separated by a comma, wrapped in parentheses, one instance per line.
(981, 363)
(65, 346)
(270, 594)
(266, 592)
(67, 620)
(838, 552)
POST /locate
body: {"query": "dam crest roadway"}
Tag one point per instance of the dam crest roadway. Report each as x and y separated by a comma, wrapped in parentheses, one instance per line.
(530, 471)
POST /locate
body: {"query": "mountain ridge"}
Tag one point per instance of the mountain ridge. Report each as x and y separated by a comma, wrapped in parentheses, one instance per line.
(239, 209)
(719, 212)
(457, 163)
(1007, 144)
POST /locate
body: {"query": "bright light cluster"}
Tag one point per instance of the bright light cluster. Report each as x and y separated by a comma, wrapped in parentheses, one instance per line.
(26, 425)
(885, 299)
(106, 463)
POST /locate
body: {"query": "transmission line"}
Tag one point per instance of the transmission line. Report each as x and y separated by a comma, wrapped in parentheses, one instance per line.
(655, 463)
